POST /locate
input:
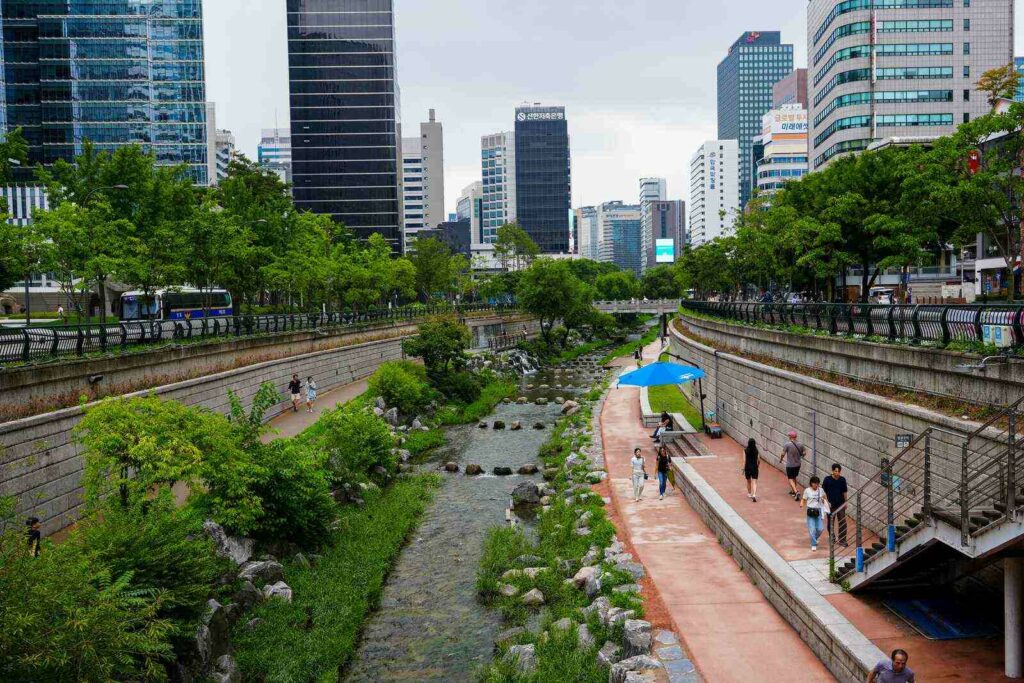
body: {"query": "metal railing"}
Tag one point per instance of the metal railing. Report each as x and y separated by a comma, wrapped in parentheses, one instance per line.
(969, 480)
(28, 344)
(914, 323)
(505, 341)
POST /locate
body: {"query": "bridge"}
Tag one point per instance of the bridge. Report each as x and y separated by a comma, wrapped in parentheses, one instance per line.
(653, 307)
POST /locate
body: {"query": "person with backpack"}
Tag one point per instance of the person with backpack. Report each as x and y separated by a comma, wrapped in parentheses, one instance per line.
(792, 455)
(816, 504)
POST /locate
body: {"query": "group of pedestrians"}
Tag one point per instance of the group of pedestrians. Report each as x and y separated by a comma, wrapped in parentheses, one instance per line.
(663, 464)
(295, 389)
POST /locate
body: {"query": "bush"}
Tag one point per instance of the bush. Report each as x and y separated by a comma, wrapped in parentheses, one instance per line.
(458, 387)
(355, 440)
(418, 443)
(490, 396)
(403, 385)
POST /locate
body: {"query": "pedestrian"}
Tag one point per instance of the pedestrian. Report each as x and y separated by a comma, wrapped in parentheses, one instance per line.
(664, 467)
(816, 503)
(751, 464)
(310, 394)
(664, 425)
(893, 671)
(792, 453)
(836, 491)
(639, 474)
(60, 313)
(35, 536)
(295, 388)
(638, 355)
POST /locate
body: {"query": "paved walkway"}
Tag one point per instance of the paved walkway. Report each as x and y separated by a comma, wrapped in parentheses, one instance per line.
(289, 423)
(729, 628)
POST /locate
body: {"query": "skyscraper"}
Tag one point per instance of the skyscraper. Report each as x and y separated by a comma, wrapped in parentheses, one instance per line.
(899, 69)
(791, 90)
(618, 225)
(651, 190)
(667, 232)
(755, 63)
(225, 146)
(423, 178)
(498, 170)
(543, 185)
(587, 233)
(113, 73)
(470, 207)
(714, 190)
(275, 152)
(346, 131)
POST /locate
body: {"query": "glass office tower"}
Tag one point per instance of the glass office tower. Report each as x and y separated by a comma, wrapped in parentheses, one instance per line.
(114, 73)
(543, 186)
(346, 137)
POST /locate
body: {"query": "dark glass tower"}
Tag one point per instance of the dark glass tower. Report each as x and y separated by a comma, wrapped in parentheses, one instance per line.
(346, 137)
(543, 184)
(756, 62)
(115, 72)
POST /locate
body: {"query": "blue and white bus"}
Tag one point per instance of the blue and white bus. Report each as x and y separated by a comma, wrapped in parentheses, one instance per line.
(181, 303)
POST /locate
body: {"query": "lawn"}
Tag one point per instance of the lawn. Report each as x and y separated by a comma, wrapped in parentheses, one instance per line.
(670, 399)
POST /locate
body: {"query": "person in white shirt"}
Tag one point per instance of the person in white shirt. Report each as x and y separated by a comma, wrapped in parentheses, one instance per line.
(816, 504)
(639, 474)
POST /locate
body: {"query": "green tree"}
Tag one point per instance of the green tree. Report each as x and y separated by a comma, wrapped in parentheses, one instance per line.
(441, 343)
(588, 271)
(550, 291)
(617, 286)
(1000, 82)
(13, 152)
(514, 247)
(433, 263)
(660, 282)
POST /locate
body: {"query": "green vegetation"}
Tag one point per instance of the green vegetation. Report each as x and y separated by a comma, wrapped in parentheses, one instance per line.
(314, 637)
(401, 384)
(420, 443)
(491, 395)
(670, 399)
(629, 348)
(441, 343)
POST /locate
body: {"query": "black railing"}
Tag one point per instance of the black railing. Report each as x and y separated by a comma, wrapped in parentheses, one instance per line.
(27, 344)
(506, 341)
(914, 323)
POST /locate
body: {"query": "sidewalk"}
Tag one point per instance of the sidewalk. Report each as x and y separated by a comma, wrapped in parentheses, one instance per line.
(289, 423)
(780, 522)
(729, 628)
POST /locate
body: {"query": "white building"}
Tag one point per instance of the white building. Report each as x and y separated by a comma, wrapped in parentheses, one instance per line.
(225, 146)
(423, 178)
(470, 207)
(498, 169)
(275, 152)
(618, 226)
(588, 233)
(714, 190)
(784, 137)
(651, 190)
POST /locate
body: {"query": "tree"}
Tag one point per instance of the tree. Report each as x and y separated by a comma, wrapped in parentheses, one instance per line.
(67, 230)
(13, 152)
(24, 250)
(441, 343)
(1000, 82)
(432, 261)
(550, 291)
(660, 282)
(617, 286)
(588, 271)
(514, 247)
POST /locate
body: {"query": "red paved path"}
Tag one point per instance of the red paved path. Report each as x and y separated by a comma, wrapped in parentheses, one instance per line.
(730, 630)
(289, 423)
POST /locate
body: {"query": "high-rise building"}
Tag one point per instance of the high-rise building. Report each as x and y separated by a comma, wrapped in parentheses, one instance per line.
(1018, 64)
(784, 141)
(619, 235)
(225, 146)
(756, 62)
(587, 233)
(714, 190)
(667, 232)
(498, 170)
(423, 178)
(471, 207)
(543, 176)
(275, 152)
(113, 73)
(651, 190)
(346, 130)
(903, 69)
(791, 90)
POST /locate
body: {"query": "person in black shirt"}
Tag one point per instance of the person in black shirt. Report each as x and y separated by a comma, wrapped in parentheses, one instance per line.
(295, 388)
(835, 490)
(35, 536)
(664, 461)
(751, 464)
(664, 425)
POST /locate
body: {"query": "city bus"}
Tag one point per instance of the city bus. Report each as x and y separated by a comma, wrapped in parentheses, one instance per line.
(181, 303)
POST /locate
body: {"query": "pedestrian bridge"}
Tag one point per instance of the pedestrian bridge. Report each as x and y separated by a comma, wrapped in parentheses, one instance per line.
(654, 307)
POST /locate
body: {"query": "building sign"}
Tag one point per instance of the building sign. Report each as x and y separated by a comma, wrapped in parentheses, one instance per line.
(540, 116)
(903, 441)
(784, 121)
(712, 173)
(665, 251)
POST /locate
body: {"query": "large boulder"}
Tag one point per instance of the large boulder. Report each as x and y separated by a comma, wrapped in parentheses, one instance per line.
(508, 590)
(521, 400)
(416, 424)
(635, 569)
(570, 406)
(217, 632)
(528, 468)
(516, 426)
(534, 598)
(639, 663)
(502, 471)
(636, 639)
(380, 404)
(226, 670)
(378, 411)
(451, 467)
(474, 470)
(238, 550)
(391, 416)
(524, 657)
(592, 587)
(584, 638)
(618, 615)
(499, 424)
(584, 575)
(600, 607)
(526, 493)
(609, 654)
(248, 596)
(538, 425)
(279, 590)
(542, 401)
(263, 572)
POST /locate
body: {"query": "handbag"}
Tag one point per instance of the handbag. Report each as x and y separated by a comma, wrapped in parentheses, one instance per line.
(813, 512)
(646, 477)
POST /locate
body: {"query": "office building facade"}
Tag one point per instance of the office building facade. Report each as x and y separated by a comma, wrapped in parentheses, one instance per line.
(470, 206)
(587, 233)
(225, 152)
(543, 176)
(346, 131)
(423, 178)
(784, 143)
(275, 152)
(619, 235)
(667, 237)
(714, 190)
(112, 73)
(903, 69)
(755, 63)
(651, 190)
(498, 170)
(791, 90)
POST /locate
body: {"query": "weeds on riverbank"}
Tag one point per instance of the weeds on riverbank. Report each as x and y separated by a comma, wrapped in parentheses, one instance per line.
(314, 637)
(491, 395)
(629, 348)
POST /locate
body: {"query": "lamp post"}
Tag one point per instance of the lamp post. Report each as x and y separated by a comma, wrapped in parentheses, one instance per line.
(700, 388)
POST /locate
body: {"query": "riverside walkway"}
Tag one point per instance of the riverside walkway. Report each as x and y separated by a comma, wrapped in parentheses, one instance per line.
(729, 628)
(290, 423)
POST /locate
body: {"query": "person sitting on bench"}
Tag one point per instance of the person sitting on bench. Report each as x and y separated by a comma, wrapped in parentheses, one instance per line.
(664, 425)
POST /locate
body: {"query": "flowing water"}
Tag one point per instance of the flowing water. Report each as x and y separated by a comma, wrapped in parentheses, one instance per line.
(430, 626)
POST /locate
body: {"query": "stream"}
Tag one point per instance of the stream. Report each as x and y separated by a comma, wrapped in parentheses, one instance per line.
(430, 625)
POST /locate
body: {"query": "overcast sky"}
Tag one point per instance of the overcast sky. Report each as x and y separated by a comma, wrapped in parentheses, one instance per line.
(637, 78)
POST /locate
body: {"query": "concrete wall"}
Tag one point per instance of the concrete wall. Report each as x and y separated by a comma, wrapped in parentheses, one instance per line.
(42, 467)
(917, 369)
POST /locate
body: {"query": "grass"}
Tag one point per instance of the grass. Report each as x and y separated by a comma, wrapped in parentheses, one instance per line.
(314, 637)
(577, 351)
(419, 443)
(491, 395)
(670, 399)
(628, 348)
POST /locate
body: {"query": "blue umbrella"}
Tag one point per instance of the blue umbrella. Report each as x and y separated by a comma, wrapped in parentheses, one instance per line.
(660, 374)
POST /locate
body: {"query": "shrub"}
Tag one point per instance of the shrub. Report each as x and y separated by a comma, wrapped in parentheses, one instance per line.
(356, 441)
(401, 384)
(440, 343)
(418, 443)
(295, 494)
(458, 387)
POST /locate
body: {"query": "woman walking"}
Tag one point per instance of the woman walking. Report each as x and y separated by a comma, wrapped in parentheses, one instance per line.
(664, 462)
(638, 356)
(639, 475)
(817, 507)
(751, 463)
(310, 394)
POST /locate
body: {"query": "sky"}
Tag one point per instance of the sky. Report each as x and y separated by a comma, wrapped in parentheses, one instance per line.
(638, 79)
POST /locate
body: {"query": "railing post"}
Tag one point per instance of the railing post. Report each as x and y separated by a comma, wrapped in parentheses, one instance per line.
(944, 323)
(80, 346)
(915, 316)
(1011, 465)
(965, 503)
(926, 506)
(977, 323)
(892, 323)
(103, 338)
(26, 345)
(890, 516)
(859, 531)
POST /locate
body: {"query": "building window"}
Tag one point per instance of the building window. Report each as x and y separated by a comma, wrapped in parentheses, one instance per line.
(967, 70)
(967, 48)
(967, 24)
(967, 3)
(967, 116)
(967, 95)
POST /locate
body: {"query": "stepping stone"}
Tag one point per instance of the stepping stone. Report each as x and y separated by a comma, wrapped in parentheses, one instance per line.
(670, 653)
(681, 671)
(665, 637)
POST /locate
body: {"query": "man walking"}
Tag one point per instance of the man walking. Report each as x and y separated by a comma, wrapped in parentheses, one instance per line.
(894, 671)
(792, 454)
(836, 492)
(295, 389)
